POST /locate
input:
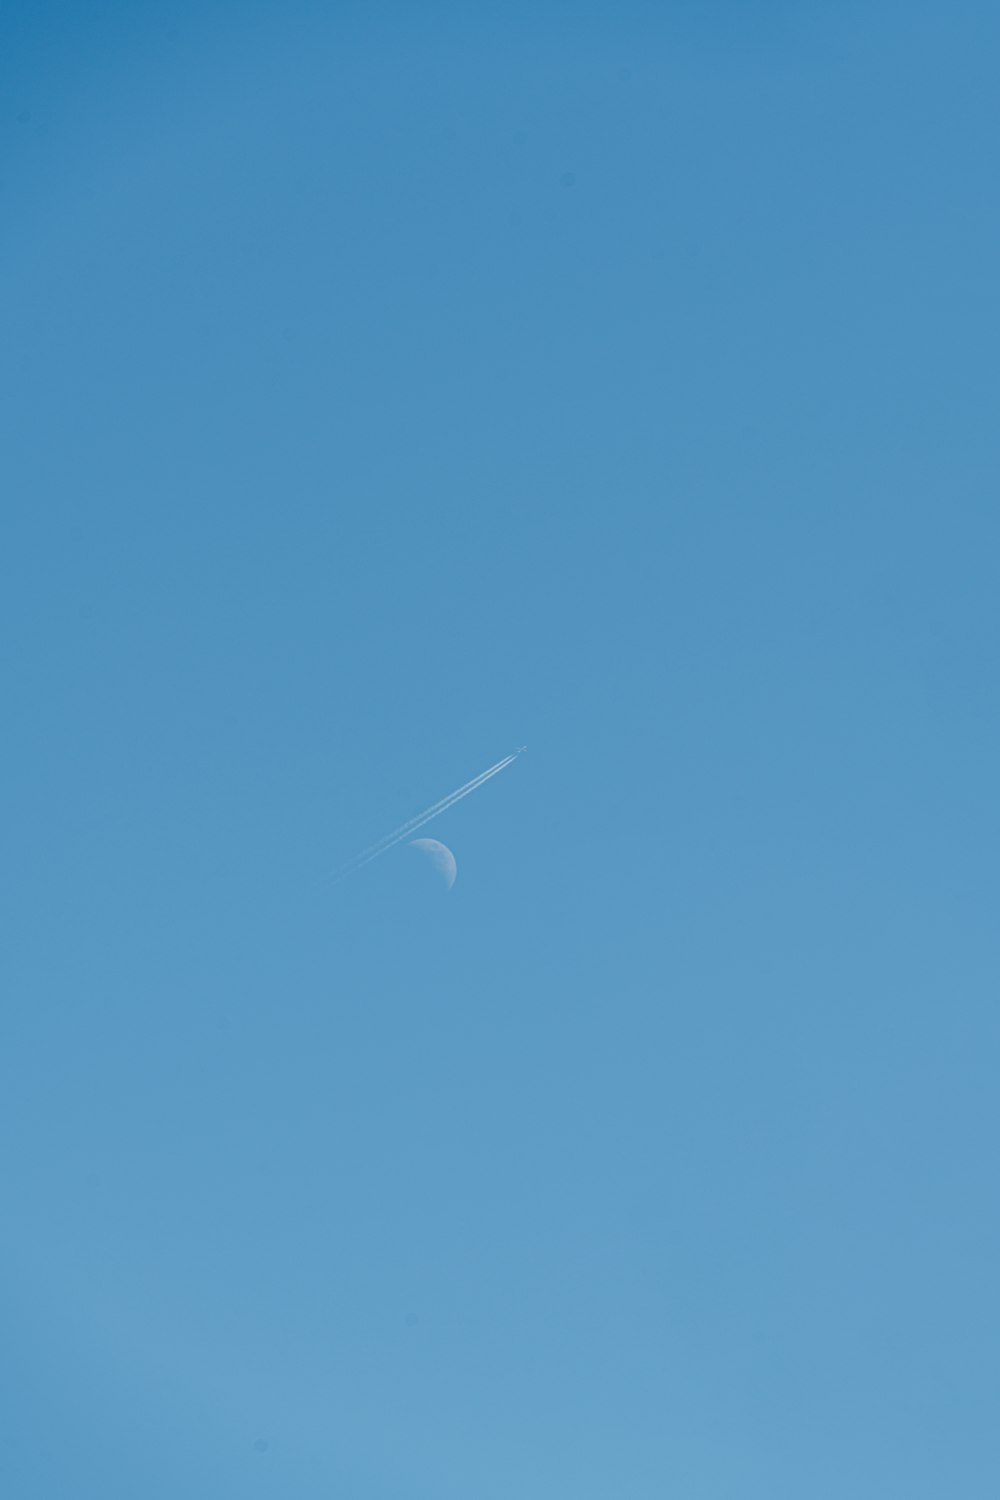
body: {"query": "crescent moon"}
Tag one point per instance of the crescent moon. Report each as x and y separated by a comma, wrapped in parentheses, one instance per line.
(440, 857)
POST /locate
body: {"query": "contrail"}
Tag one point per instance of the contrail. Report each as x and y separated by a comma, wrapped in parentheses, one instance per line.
(430, 812)
(405, 829)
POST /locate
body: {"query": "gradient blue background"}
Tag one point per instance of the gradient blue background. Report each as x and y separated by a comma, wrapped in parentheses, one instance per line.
(382, 388)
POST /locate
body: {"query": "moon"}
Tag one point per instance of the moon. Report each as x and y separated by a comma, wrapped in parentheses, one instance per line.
(440, 857)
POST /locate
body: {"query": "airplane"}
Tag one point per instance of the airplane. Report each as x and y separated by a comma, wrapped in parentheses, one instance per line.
(521, 749)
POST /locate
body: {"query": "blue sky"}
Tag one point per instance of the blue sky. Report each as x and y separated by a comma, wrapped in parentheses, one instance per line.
(384, 389)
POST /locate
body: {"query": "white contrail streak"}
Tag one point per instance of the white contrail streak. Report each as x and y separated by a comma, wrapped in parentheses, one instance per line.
(429, 812)
(405, 829)
(411, 826)
(434, 812)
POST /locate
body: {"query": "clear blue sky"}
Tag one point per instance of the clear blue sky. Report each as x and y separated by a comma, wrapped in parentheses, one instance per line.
(383, 388)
